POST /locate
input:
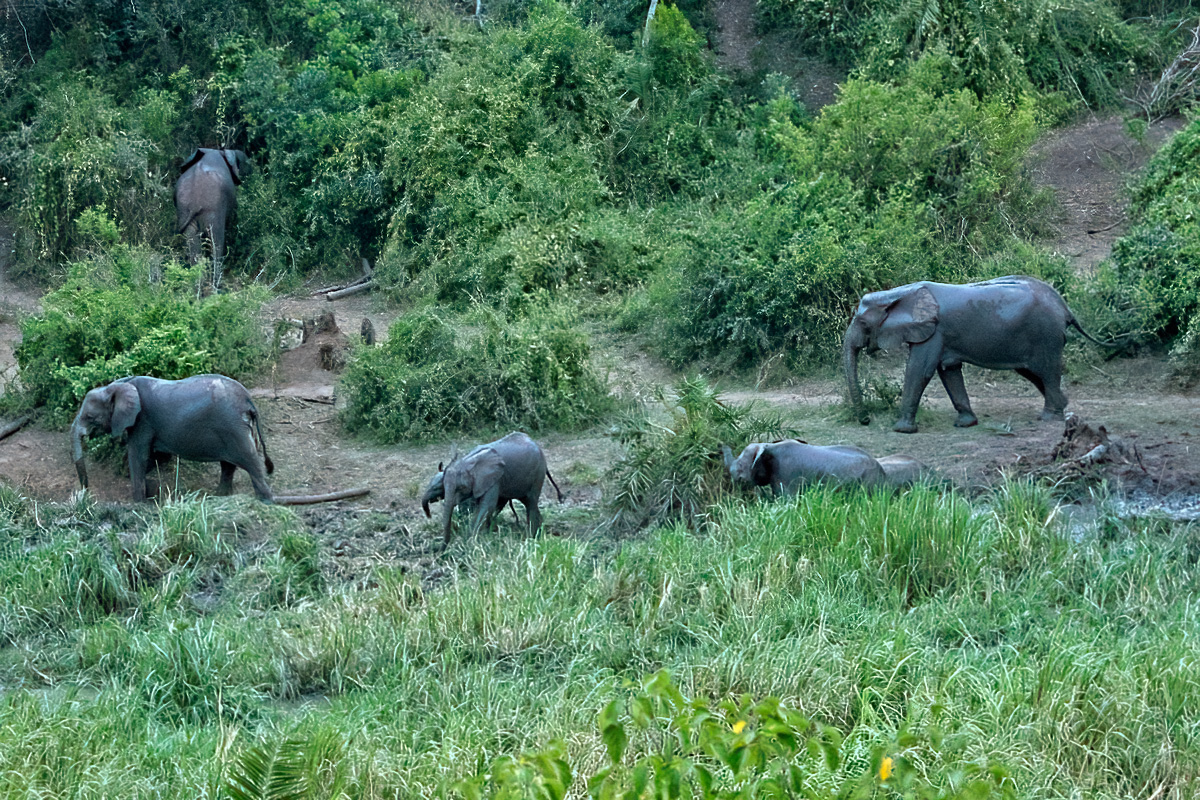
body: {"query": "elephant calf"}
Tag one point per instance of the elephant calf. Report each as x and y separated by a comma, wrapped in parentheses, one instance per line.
(491, 475)
(202, 418)
(790, 465)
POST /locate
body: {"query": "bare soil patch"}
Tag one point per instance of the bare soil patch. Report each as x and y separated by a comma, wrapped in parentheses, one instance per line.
(1088, 166)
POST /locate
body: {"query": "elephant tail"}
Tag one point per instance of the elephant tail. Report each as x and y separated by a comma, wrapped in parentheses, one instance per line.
(1074, 323)
(555, 485)
(190, 220)
(261, 441)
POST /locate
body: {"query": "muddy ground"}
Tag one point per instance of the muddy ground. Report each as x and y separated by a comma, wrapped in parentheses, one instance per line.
(1137, 400)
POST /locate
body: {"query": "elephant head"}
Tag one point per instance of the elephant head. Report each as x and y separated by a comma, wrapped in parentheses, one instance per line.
(884, 320)
(111, 409)
(754, 466)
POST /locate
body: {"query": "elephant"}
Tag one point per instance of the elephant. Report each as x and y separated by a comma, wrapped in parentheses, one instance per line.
(201, 418)
(491, 475)
(1015, 322)
(205, 195)
(789, 465)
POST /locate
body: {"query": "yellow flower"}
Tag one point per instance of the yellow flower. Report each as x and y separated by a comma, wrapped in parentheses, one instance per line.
(885, 768)
(739, 726)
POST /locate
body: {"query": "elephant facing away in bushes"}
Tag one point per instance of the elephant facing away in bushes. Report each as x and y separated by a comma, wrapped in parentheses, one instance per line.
(205, 196)
(1016, 322)
(488, 477)
(790, 465)
(201, 418)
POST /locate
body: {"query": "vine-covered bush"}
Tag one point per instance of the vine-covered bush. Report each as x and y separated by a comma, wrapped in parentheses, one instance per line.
(437, 375)
(125, 312)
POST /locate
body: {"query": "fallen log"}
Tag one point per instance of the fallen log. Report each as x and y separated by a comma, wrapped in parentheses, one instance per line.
(309, 499)
(355, 289)
(14, 426)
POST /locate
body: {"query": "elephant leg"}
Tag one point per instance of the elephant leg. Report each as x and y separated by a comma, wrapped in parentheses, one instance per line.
(216, 232)
(1050, 387)
(225, 487)
(952, 379)
(137, 471)
(533, 514)
(258, 478)
(922, 363)
(485, 509)
(193, 243)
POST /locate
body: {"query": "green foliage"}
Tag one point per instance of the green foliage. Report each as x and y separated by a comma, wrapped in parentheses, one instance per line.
(733, 749)
(124, 313)
(1084, 49)
(81, 151)
(436, 375)
(300, 767)
(1156, 266)
(673, 469)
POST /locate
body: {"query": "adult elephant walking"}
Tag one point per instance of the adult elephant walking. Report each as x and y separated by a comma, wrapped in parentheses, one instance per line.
(1015, 322)
(202, 418)
(205, 195)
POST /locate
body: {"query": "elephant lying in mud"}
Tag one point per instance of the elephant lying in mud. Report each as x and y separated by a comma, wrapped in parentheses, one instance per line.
(491, 475)
(790, 465)
(1015, 322)
(202, 418)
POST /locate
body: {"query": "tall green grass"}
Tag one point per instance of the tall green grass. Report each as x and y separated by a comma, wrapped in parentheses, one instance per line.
(1068, 654)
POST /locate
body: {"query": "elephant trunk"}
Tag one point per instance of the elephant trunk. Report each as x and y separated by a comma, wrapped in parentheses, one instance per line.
(851, 347)
(433, 492)
(728, 455)
(78, 430)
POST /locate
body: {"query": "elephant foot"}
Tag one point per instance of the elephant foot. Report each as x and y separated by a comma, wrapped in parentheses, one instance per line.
(904, 426)
(1051, 416)
(966, 420)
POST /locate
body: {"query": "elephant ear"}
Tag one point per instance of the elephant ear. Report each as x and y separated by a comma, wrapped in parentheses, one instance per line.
(196, 155)
(234, 173)
(763, 466)
(911, 318)
(127, 404)
(485, 472)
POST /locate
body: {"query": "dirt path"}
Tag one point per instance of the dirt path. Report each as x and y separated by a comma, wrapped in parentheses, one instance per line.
(1087, 166)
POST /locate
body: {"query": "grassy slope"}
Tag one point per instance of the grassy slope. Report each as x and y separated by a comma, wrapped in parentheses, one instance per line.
(1069, 655)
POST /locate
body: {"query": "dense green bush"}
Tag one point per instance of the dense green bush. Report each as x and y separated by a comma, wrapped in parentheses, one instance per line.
(1084, 49)
(437, 375)
(126, 312)
(675, 471)
(1156, 266)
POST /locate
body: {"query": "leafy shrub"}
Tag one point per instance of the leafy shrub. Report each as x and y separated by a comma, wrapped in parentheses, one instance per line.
(660, 743)
(435, 376)
(124, 313)
(81, 151)
(1083, 48)
(674, 470)
(1156, 266)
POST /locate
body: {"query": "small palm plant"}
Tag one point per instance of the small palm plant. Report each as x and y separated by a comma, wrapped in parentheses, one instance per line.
(673, 468)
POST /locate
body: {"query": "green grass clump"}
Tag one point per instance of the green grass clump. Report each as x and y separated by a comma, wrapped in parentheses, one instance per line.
(436, 375)
(946, 633)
